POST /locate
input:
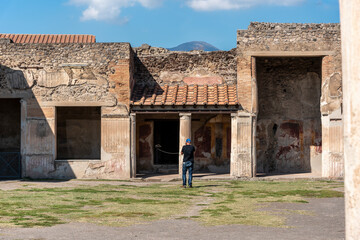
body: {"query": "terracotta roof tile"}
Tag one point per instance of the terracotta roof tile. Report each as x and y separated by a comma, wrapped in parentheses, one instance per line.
(49, 38)
(218, 94)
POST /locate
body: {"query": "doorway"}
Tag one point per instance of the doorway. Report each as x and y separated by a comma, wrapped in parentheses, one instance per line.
(166, 142)
(10, 138)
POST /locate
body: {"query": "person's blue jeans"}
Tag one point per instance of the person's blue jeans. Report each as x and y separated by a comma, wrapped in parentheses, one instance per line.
(184, 170)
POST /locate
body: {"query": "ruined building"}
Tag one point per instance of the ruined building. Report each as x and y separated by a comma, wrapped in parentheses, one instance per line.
(74, 108)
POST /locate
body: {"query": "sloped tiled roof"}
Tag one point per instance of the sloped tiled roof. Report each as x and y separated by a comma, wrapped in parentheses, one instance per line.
(49, 38)
(219, 94)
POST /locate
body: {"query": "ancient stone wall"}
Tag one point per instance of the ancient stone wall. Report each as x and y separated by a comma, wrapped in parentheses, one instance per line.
(47, 76)
(274, 39)
(289, 37)
(61, 72)
(296, 40)
(161, 66)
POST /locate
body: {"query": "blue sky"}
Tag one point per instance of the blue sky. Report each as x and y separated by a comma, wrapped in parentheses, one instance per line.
(161, 23)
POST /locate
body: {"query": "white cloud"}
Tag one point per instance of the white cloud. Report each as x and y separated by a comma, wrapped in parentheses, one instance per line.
(213, 5)
(109, 10)
(150, 3)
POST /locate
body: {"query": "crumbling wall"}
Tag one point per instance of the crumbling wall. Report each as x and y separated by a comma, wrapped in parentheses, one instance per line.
(278, 39)
(46, 76)
(161, 66)
(61, 72)
(289, 119)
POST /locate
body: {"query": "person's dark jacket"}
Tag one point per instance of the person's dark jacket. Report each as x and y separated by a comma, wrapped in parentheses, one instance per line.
(188, 151)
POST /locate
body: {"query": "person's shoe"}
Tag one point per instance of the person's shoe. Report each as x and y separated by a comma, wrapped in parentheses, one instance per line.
(183, 186)
(190, 186)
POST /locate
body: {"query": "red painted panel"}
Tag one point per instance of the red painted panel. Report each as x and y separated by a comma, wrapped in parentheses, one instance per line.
(202, 141)
(144, 145)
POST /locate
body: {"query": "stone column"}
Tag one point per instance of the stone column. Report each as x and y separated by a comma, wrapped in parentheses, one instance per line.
(350, 35)
(254, 111)
(325, 155)
(133, 145)
(331, 120)
(242, 145)
(234, 164)
(185, 132)
(332, 145)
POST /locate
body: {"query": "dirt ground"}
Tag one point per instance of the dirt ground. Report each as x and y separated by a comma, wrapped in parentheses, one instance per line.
(326, 222)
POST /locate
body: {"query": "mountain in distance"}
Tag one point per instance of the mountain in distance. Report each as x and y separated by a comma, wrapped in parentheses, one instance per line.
(194, 45)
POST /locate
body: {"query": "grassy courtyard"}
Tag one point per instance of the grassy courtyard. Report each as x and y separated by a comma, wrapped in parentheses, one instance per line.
(209, 202)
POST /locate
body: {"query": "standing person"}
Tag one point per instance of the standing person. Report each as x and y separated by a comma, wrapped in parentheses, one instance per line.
(188, 161)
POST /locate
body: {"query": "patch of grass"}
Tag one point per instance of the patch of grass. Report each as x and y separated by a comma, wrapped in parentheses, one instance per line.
(218, 211)
(127, 214)
(230, 202)
(134, 201)
(297, 192)
(108, 204)
(73, 190)
(243, 211)
(247, 199)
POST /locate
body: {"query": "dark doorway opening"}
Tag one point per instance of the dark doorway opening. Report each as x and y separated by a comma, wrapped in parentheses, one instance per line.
(78, 132)
(10, 138)
(166, 142)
